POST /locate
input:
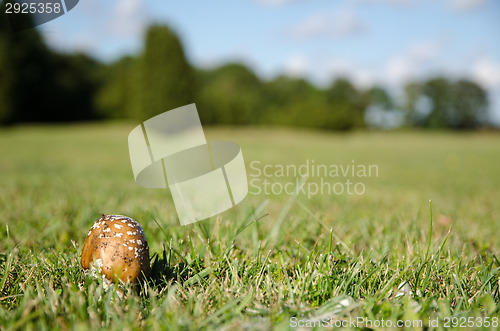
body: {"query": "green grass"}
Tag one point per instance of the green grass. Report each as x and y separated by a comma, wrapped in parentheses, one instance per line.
(270, 259)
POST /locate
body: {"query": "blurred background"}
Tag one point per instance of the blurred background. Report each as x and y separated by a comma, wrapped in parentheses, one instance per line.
(411, 86)
(334, 65)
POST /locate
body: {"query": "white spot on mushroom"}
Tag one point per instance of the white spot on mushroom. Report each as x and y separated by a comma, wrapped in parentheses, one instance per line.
(119, 235)
(107, 230)
(130, 248)
(132, 240)
(101, 235)
(118, 226)
(96, 225)
(139, 242)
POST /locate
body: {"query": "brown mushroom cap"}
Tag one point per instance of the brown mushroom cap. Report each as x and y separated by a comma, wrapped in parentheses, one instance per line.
(117, 247)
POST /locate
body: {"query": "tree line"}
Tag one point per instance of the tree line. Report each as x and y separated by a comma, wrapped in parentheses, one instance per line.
(38, 84)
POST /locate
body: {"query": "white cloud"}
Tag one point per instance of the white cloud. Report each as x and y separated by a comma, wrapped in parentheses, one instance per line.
(84, 43)
(359, 75)
(421, 60)
(415, 62)
(486, 72)
(428, 50)
(495, 107)
(465, 5)
(82, 38)
(128, 18)
(338, 24)
(322, 69)
(97, 25)
(297, 66)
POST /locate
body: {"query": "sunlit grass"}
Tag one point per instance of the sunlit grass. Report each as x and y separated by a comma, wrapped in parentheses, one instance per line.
(270, 258)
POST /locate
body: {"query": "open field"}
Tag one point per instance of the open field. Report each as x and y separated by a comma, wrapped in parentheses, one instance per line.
(325, 256)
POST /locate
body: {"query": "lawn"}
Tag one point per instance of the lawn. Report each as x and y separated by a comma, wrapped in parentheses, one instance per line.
(276, 260)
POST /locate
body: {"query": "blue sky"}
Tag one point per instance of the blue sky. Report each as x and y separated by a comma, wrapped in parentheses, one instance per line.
(384, 42)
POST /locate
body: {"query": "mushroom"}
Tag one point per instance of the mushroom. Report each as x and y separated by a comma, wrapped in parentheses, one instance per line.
(116, 247)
